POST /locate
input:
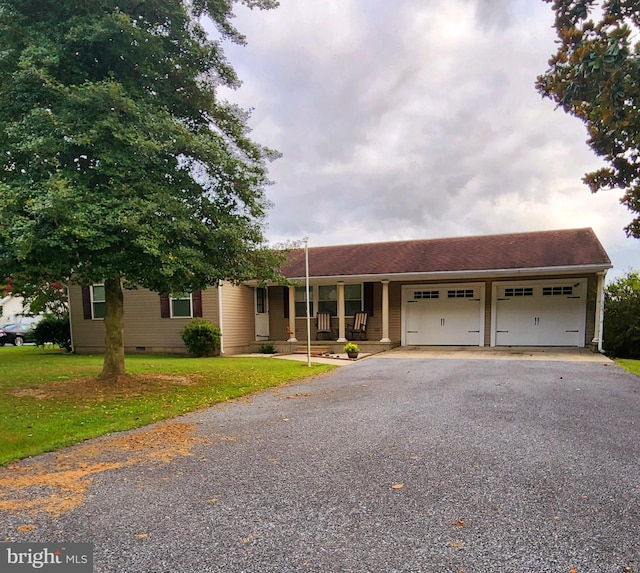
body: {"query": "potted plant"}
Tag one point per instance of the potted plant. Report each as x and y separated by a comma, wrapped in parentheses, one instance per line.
(351, 349)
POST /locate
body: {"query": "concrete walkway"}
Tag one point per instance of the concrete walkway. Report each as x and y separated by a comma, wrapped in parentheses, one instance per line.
(495, 353)
(460, 353)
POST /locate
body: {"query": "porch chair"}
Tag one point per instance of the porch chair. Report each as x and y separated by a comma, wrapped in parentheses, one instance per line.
(323, 324)
(359, 326)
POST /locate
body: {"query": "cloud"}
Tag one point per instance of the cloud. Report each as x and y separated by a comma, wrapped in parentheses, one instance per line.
(415, 119)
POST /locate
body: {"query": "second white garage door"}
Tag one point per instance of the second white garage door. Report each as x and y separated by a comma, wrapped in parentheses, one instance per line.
(444, 315)
(540, 314)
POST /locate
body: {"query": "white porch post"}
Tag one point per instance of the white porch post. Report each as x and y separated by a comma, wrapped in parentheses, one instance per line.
(342, 326)
(385, 312)
(292, 315)
(599, 318)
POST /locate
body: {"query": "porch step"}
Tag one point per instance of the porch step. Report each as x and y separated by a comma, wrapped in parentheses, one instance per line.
(315, 350)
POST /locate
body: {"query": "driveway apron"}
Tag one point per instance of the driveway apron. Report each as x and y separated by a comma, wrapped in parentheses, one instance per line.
(388, 465)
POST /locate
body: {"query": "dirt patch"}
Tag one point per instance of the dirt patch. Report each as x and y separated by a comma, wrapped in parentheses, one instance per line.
(56, 485)
(91, 387)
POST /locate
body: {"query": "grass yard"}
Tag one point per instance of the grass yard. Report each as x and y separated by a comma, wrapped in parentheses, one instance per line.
(632, 366)
(50, 399)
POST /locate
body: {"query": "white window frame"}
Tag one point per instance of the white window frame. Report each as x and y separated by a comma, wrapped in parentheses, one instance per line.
(94, 302)
(314, 292)
(179, 297)
(329, 300)
(361, 285)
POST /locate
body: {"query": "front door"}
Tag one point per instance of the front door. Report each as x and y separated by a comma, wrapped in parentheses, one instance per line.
(262, 314)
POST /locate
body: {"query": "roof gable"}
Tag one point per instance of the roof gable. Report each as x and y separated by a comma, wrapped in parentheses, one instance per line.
(535, 250)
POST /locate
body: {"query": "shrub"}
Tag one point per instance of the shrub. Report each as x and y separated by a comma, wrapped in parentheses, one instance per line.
(55, 330)
(201, 337)
(622, 317)
(267, 348)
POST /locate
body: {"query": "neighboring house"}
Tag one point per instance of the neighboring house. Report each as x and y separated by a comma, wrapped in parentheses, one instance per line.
(522, 289)
(12, 309)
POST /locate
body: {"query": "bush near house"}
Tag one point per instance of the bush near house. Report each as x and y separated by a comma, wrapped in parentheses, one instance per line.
(55, 330)
(622, 317)
(268, 348)
(201, 337)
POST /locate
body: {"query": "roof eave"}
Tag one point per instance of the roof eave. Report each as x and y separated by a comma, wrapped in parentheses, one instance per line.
(470, 274)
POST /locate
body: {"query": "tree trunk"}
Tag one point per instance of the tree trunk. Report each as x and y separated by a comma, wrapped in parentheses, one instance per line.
(114, 330)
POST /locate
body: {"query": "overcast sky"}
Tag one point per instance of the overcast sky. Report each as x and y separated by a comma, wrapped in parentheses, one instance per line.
(416, 119)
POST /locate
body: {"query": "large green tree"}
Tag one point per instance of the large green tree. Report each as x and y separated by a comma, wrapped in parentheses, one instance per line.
(119, 162)
(41, 298)
(622, 316)
(595, 76)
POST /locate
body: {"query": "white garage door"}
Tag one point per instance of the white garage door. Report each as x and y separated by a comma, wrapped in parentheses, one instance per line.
(536, 314)
(443, 315)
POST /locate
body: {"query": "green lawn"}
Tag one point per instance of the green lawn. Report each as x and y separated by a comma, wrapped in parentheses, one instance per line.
(50, 399)
(632, 366)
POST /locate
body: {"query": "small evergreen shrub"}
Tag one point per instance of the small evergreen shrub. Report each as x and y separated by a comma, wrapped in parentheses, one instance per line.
(54, 330)
(201, 337)
(267, 348)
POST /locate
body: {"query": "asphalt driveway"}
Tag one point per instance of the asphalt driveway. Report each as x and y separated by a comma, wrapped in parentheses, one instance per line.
(388, 465)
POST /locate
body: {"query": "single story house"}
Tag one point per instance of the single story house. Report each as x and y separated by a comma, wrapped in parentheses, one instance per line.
(521, 289)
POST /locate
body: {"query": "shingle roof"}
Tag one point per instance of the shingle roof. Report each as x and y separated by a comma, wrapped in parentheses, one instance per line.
(536, 250)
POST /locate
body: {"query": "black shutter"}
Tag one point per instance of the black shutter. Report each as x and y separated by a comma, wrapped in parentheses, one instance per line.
(286, 301)
(86, 302)
(196, 298)
(368, 298)
(165, 311)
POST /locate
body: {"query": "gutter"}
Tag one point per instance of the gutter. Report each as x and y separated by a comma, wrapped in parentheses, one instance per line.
(479, 273)
(68, 289)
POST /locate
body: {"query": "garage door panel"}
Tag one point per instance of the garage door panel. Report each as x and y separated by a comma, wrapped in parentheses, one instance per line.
(541, 315)
(443, 316)
(416, 321)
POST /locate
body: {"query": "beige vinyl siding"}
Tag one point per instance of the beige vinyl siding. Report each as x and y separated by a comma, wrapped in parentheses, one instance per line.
(144, 329)
(238, 318)
(88, 335)
(395, 311)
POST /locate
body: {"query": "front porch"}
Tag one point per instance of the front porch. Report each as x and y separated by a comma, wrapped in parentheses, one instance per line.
(280, 315)
(321, 347)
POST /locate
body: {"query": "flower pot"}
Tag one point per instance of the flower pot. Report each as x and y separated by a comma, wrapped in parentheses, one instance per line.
(352, 355)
